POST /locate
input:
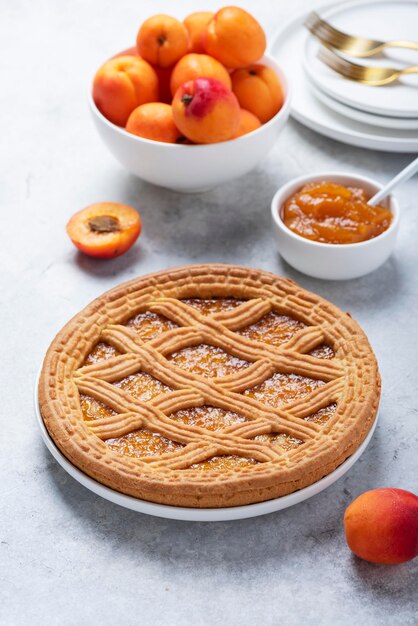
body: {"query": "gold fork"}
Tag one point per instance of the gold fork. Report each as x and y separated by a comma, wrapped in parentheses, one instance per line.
(367, 75)
(350, 45)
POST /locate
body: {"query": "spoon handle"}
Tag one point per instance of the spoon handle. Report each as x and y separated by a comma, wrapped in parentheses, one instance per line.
(403, 175)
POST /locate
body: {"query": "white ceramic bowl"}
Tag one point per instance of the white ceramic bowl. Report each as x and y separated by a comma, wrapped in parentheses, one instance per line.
(192, 168)
(333, 261)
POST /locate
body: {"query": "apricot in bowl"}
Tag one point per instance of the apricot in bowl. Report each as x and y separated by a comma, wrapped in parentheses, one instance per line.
(194, 168)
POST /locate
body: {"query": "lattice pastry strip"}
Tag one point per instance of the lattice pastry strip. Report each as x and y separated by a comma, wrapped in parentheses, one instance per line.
(201, 328)
(218, 334)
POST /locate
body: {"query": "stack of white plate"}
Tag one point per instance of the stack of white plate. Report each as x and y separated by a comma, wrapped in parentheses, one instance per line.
(380, 118)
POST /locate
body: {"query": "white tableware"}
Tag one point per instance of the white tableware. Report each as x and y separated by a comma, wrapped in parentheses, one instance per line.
(333, 261)
(192, 168)
(381, 121)
(191, 514)
(400, 178)
(376, 19)
(287, 47)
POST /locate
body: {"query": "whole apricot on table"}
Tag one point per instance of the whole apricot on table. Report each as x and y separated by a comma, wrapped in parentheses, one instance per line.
(195, 66)
(104, 230)
(234, 37)
(381, 526)
(162, 40)
(206, 111)
(122, 84)
(196, 25)
(247, 123)
(154, 121)
(258, 90)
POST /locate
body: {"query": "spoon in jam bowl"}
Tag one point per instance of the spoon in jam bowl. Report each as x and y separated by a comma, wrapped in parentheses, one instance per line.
(402, 177)
(326, 227)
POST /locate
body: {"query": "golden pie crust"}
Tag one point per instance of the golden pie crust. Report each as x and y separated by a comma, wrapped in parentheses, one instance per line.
(262, 449)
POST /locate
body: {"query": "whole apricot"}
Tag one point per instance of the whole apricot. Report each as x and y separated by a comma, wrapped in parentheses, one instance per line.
(163, 74)
(196, 25)
(206, 111)
(247, 123)
(122, 84)
(162, 40)
(154, 121)
(105, 229)
(234, 37)
(196, 65)
(381, 526)
(258, 90)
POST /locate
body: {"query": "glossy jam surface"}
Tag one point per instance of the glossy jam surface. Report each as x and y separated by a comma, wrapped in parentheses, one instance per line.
(209, 306)
(273, 328)
(223, 463)
(208, 361)
(280, 439)
(282, 389)
(149, 325)
(142, 386)
(93, 409)
(101, 352)
(209, 417)
(331, 213)
(323, 415)
(143, 443)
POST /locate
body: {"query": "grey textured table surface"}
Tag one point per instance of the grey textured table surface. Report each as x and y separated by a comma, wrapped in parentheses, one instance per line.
(68, 557)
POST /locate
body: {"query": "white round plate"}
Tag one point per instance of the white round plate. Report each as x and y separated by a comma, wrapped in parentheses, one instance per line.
(381, 121)
(384, 20)
(191, 514)
(287, 47)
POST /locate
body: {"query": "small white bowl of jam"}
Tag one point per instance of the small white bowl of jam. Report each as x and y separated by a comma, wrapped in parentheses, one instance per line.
(325, 228)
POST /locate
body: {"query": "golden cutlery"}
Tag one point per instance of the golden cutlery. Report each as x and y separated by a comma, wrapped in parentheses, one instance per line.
(367, 75)
(348, 44)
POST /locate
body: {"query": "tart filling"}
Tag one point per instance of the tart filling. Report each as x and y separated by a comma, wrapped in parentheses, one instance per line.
(208, 361)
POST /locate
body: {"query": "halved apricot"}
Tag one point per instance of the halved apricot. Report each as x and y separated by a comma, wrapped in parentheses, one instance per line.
(105, 229)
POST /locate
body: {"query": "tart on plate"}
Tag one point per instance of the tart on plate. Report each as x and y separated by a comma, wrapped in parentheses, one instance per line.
(209, 386)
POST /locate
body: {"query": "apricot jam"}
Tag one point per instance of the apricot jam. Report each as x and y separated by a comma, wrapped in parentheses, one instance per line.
(331, 213)
(208, 361)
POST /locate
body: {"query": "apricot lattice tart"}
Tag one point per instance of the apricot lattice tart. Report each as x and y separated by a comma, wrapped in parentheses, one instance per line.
(209, 386)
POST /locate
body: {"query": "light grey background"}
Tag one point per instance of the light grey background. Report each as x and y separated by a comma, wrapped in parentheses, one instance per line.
(68, 557)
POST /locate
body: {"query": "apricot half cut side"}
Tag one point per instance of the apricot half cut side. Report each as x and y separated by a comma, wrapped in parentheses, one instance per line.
(105, 229)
